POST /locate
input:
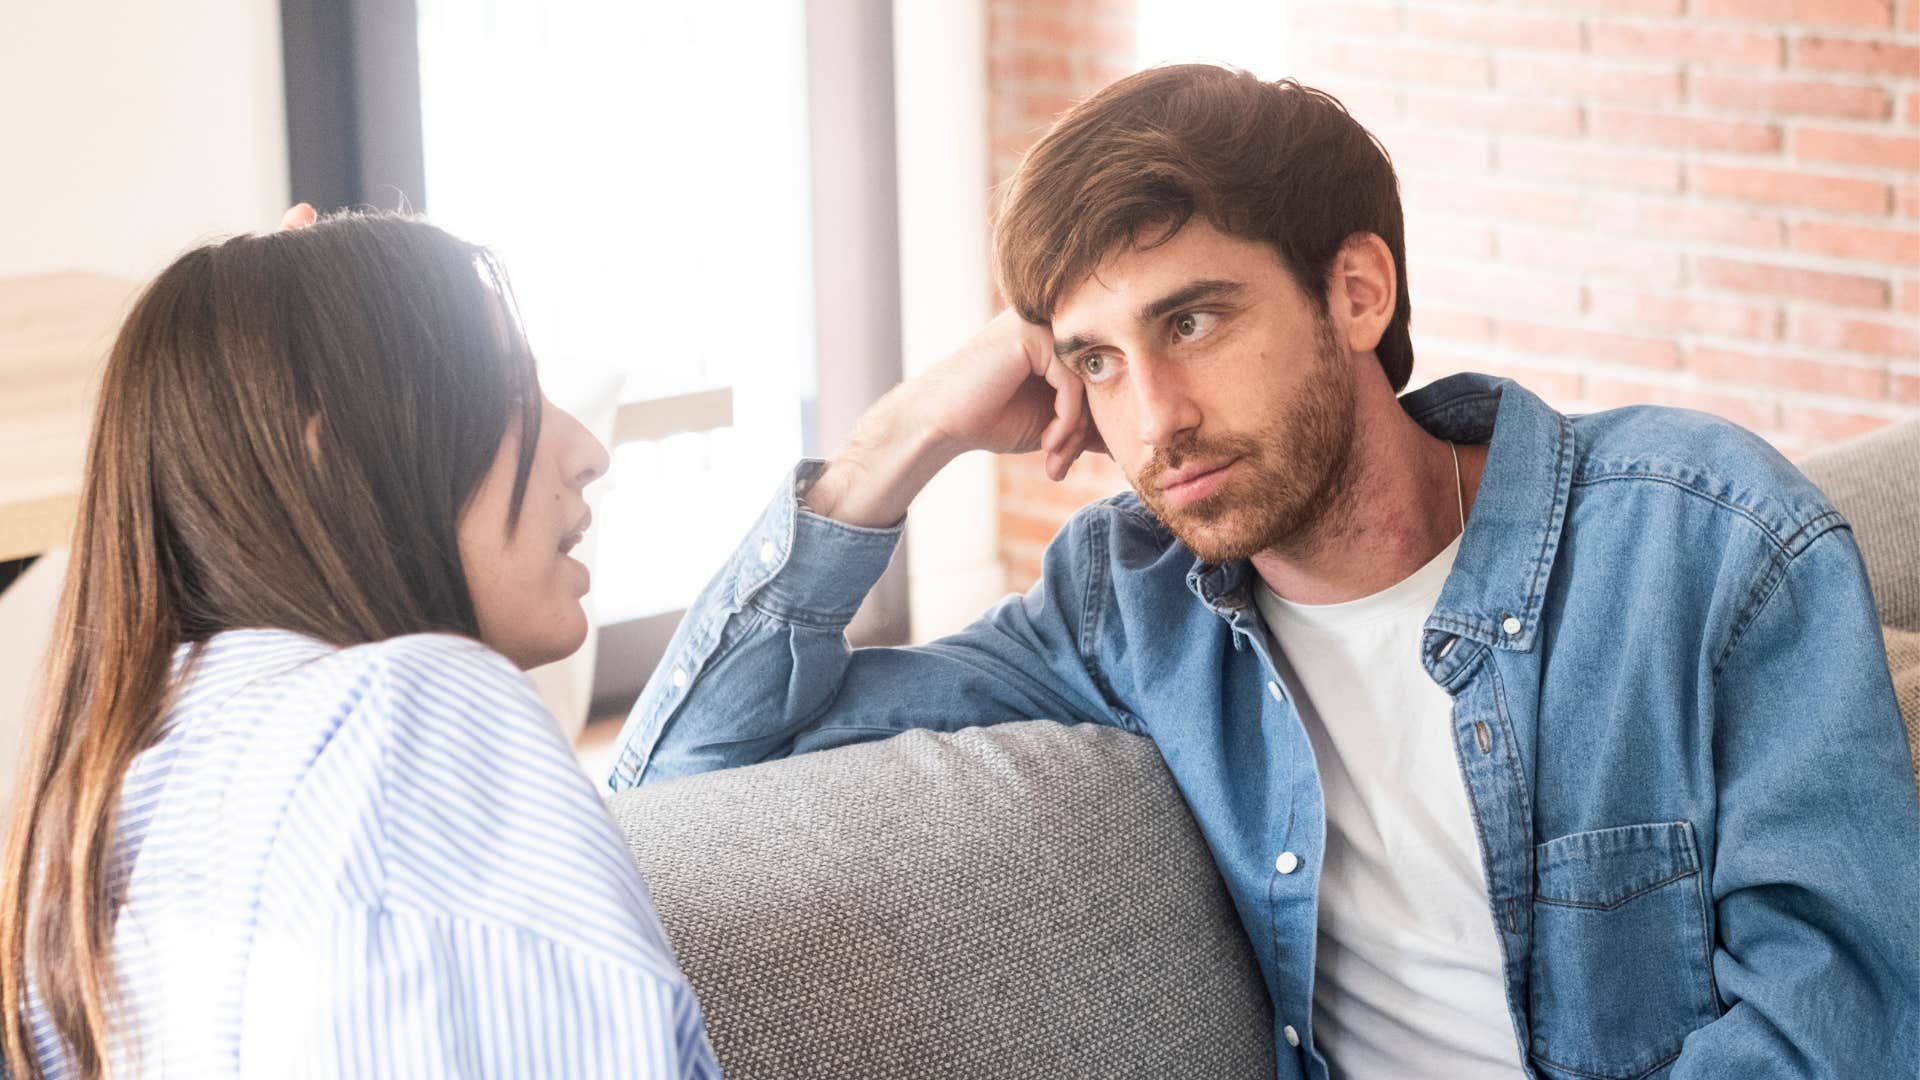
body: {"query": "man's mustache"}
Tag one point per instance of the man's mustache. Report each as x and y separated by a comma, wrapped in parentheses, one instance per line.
(1168, 458)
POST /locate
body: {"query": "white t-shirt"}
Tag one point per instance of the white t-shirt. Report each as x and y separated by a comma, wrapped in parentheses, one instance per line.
(1408, 980)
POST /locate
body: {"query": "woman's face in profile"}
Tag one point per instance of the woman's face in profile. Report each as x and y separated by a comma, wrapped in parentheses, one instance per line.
(526, 588)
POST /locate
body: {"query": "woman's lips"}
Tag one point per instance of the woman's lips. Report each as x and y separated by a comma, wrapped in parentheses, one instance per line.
(1196, 485)
(578, 533)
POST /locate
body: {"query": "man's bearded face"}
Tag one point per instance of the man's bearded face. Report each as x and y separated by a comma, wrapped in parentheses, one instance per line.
(1287, 473)
(1220, 387)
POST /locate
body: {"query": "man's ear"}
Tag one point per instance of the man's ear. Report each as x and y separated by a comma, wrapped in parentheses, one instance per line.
(1362, 291)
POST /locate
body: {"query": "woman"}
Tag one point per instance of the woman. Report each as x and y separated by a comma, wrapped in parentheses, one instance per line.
(293, 809)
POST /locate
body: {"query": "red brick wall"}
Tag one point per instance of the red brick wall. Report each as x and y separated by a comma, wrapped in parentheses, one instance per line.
(1708, 203)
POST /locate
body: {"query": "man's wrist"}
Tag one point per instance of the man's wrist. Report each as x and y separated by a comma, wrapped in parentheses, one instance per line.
(886, 461)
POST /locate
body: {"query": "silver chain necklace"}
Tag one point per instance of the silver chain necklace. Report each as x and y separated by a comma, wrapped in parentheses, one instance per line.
(1459, 489)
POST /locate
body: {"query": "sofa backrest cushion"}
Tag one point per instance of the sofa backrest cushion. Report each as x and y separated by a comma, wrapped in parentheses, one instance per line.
(1018, 901)
(1875, 481)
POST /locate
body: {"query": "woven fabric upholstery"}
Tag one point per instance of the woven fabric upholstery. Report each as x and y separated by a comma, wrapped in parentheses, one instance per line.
(1875, 482)
(1025, 900)
(1903, 657)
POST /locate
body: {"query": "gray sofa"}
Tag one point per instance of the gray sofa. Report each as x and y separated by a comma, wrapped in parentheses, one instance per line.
(1027, 900)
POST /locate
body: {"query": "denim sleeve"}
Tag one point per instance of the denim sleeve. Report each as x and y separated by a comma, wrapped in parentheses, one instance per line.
(760, 668)
(1816, 876)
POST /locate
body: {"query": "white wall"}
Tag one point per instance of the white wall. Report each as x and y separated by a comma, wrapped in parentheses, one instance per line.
(128, 131)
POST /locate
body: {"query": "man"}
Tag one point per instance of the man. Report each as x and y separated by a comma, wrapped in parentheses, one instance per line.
(1526, 744)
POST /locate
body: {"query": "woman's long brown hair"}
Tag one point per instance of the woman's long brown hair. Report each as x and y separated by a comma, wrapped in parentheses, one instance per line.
(288, 428)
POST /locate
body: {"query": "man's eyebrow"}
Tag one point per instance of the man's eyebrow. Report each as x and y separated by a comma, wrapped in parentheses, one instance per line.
(1074, 344)
(1210, 289)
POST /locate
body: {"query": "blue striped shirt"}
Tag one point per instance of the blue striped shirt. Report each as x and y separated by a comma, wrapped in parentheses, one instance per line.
(379, 861)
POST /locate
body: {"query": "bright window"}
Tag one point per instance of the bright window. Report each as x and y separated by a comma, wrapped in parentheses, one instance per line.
(642, 171)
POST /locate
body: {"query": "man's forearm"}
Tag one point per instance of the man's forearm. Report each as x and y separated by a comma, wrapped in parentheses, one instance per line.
(890, 456)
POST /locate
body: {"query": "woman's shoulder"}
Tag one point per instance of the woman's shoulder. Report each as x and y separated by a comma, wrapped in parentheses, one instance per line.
(282, 705)
(449, 708)
(485, 816)
(427, 657)
(439, 669)
(390, 755)
(235, 670)
(288, 754)
(440, 703)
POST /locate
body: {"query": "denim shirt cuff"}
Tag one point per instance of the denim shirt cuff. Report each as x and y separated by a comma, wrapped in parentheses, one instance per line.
(801, 566)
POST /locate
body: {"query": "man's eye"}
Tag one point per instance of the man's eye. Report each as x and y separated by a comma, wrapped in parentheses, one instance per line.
(1095, 367)
(1193, 324)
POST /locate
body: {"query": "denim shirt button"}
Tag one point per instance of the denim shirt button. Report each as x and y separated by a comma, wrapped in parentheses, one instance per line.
(679, 676)
(1293, 1037)
(1287, 863)
(1511, 625)
(1274, 689)
(768, 552)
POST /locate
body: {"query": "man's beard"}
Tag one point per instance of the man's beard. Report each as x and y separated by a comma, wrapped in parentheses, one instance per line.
(1292, 470)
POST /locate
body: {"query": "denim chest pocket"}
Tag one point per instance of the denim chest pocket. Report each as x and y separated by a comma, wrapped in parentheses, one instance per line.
(1622, 961)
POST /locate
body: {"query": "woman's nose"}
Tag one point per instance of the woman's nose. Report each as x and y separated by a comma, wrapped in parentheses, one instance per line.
(584, 459)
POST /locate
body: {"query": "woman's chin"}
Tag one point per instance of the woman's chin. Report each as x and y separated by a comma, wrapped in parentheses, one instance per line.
(577, 575)
(562, 638)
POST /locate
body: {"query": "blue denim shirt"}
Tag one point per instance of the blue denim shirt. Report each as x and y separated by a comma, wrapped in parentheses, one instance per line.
(1672, 715)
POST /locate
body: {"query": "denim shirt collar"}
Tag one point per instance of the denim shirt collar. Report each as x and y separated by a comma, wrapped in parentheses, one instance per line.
(1499, 579)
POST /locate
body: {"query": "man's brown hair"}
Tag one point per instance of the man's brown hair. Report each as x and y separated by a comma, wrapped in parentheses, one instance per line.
(1275, 162)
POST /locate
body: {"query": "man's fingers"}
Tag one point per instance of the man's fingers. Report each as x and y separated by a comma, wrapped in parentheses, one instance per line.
(1037, 342)
(1075, 443)
(1071, 432)
(298, 216)
(1069, 397)
(1059, 464)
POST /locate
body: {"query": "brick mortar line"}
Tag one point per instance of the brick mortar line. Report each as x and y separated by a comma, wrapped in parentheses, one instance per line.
(1701, 155)
(1787, 31)
(1767, 350)
(1781, 306)
(1487, 49)
(1782, 348)
(1690, 245)
(1627, 62)
(1685, 189)
(1882, 272)
(1681, 378)
(1789, 215)
(1688, 340)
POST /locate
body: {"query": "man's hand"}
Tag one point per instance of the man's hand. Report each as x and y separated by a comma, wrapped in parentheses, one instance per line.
(1004, 391)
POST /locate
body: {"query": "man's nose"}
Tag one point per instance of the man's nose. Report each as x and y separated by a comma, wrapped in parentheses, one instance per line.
(1168, 414)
